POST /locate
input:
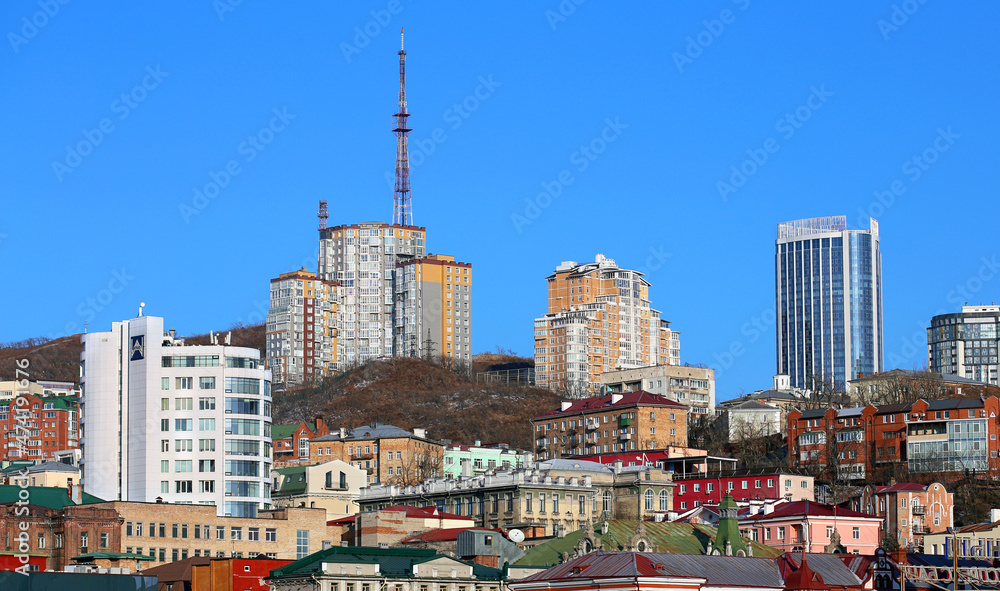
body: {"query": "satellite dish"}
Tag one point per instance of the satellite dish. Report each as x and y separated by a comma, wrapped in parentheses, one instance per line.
(516, 536)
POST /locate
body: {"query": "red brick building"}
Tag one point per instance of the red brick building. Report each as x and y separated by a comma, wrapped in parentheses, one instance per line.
(696, 490)
(291, 442)
(48, 424)
(956, 435)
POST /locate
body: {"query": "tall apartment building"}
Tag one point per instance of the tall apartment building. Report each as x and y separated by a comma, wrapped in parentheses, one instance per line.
(301, 340)
(36, 428)
(599, 319)
(965, 344)
(164, 421)
(610, 423)
(433, 315)
(828, 301)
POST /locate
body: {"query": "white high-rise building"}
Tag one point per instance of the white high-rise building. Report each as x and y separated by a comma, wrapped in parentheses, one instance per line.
(363, 259)
(165, 421)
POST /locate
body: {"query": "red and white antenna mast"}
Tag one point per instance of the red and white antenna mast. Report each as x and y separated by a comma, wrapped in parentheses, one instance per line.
(402, 213)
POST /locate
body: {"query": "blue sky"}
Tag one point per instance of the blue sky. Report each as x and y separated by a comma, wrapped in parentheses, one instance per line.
(542, 133)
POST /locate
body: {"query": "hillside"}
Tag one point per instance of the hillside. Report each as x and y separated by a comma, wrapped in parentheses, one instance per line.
(413, 393)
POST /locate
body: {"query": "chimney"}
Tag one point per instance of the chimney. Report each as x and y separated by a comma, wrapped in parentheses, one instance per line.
(618, 466)
(616, 398)
(320, 425)
(994, 515)
(77, 493)
(564, 405)
(422, 433)
(768, 508)
(466, 467)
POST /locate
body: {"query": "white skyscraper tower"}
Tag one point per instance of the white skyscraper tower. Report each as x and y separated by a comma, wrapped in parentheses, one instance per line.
(161, 420)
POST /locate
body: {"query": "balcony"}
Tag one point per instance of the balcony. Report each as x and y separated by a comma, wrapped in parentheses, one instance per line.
(625, 436)
(919, 509)
(624, 422)
(593, 425)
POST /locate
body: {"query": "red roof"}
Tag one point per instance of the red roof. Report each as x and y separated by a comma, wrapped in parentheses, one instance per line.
(901, 487)
(596, 403)
(808, 508)
(447, 534)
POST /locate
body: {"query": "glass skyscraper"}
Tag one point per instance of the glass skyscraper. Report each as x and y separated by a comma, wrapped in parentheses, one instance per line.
(828, 301)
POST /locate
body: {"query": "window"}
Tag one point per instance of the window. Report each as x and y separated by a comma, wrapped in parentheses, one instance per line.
(829, 532)
(206, 445)
(184, 404)
(164, 383)
(767, 533)
(206, 424)
(184, 383)
(184, 486)
(235, 533)
(253, 534)
(183, 465)
(527, 502)
(220, 532)
(301, 543)
(664, 501)
(270, 534)
(84, 540)
(781, 533)
(206, 465)
(206, 403)
(856, 533)
(902, 503)
(555, 503)
(183, 445)
(648, 499)
(104, 539)
(206, 486)
(164, 403)
(207, 383)
(606, 500)
(183, 424)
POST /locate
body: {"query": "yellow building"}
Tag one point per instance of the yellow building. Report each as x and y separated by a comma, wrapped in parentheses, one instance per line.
(334, 485)
(301, 340)
(434, 308)
(599, 319)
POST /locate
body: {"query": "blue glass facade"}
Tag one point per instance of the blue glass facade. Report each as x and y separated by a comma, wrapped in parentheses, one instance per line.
(828, 301)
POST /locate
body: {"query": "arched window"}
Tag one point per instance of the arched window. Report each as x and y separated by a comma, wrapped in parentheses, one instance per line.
(664, 501)
(649, 499)
(607, 500)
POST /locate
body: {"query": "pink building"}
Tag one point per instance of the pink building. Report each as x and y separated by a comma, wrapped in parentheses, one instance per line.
(815, 527)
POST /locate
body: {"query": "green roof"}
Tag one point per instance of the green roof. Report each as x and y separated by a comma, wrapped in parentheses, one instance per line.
(666, 537)
(294, 485)
(18, 465)
(112, 556)
(286, 431)
(43, 496)
(392, 561)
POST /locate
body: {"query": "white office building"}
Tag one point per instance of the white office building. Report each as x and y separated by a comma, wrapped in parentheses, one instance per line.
(165, 421)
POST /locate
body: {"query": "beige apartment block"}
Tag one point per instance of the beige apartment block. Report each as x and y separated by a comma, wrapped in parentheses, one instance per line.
(693, 386)
(334, 485)
(169, 532)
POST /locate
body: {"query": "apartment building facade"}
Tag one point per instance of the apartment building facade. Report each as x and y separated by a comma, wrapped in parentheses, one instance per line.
(910, 511)
(301, 335)
(170, 532)
(558, 494)
(40, 388)
(387, 453)
(828, 301)
(363, 259)
(599, 319)
(433, 308)
(332, 485)
(693, 386)
(174, 422)
(473, 460)
(937, 436)
(611, 423)
(805, 526)
(37, 427)
(694, 490)
(966, 343)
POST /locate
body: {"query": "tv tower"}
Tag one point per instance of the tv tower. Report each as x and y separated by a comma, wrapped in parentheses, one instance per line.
(402, 213)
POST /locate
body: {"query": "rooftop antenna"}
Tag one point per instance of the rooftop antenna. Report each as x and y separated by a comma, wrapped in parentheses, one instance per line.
(322, 215)
(402, 214)
(141, 306)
